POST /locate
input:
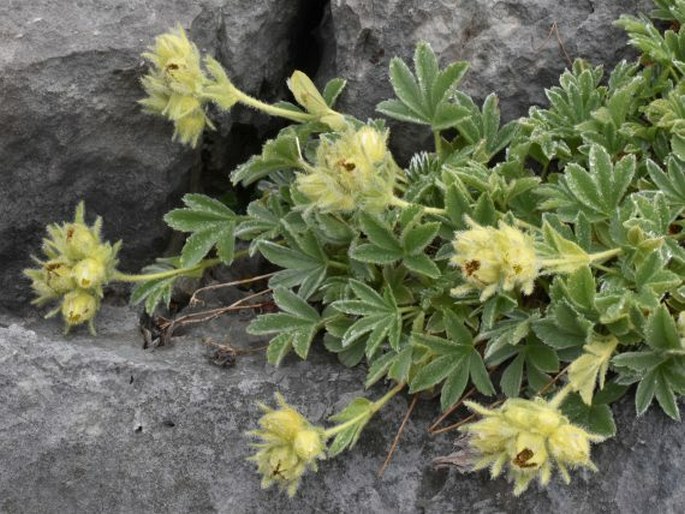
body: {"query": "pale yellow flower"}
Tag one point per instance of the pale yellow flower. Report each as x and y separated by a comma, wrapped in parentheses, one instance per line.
(77, 267)
(495, 259)
(530, 438)
(175, 85)
(353, 171)
(290, 446)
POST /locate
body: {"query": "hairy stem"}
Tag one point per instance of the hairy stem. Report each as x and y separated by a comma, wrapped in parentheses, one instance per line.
(403, 204)
(144, 277)
(300, 117)
(375, 407)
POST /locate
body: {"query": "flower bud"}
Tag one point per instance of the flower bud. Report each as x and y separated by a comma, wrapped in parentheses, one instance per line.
(306, 94)
(372, 144)
(353, 171)
(283, 423)
(81, 242)
(570, 445)
(89, 273)
(189, 128)
(78, 307)
(290, 446)
(635, 235)
(59, 276)
(308, 444)
(494, 259)
(518, 416)
(529, 437)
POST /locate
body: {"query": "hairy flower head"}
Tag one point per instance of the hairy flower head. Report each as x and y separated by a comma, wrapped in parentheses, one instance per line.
(529, 438)
(493, 259)
(289, 446)
(354, 170)
(78, 264)
(79, 307)
(178, 88)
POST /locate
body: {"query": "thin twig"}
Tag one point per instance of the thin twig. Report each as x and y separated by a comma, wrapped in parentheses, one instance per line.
(214, 313)
(449, 411)
(554, 29)
(554, 380)
(194, 300)
(167, 327)
(396, 441)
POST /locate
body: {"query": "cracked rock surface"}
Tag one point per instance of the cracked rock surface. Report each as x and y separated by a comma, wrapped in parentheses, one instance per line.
(72, 128)
(70, 81)
(101, 425)
(510, 45)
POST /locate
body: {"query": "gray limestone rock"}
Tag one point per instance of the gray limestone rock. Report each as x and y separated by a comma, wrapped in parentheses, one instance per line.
(72, 130)
(510, 46)
(101, 425)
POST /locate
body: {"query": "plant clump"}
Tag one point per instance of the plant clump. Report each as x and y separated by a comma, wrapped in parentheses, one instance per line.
(540, 261)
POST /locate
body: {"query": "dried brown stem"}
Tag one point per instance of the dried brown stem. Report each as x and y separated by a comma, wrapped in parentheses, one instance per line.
(449, 411)
(396, 441)
(194, 300)
(554, 30)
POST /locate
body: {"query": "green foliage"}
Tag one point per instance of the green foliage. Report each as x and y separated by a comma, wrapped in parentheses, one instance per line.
(453, 361)
(424, 96)
(158, 290)
(296, 326)
(605, 215)
(211, 225)
(595, 181)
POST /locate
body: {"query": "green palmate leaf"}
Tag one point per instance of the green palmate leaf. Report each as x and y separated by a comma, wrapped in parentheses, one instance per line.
(379, 319)
(597, 418)
(532, 360)
(422, 265)
(564, 327)
(424, 98)
(156, 291)
(660, 370)
(596, 192)
(296, 325)
(263, 221)
(512, 377)
(671, 182)
(399, 111)
(304, 260)
(385, 248)
(281, 153)
(456, 360)
(481, 128)
(561, 255)
(661, 332)
(507, 332)
(211, 224)
(360, 410)
(653, 280)
(332, 90)
(379, 233)
(579, 289)
(153, 292)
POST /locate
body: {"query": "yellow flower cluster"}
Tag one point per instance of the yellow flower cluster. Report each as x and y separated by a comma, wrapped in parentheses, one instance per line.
(78, 265)
(290, 446)
(493, 259)
(178, 88)
(353, 171)
(528, 437)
